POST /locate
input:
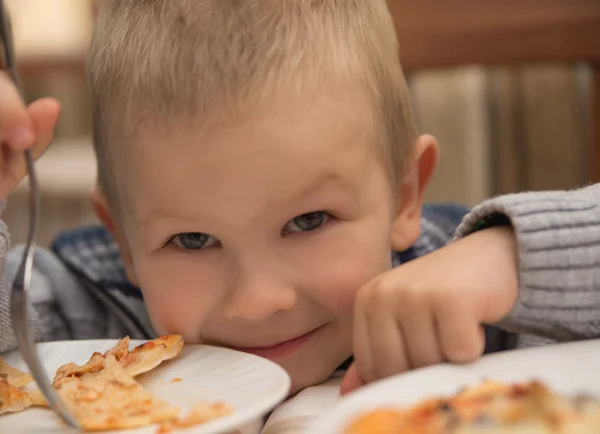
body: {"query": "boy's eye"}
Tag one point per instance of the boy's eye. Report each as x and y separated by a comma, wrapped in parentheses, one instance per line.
(307, 222)
(194, 240)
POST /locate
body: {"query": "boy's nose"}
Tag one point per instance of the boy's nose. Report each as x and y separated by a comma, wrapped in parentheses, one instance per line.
(256, 296)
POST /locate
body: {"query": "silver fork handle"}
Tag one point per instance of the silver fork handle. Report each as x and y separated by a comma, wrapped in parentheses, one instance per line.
(23, 334)
(22, 280)
(19, 292)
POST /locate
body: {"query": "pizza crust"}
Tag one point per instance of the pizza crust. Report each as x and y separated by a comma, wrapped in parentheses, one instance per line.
(142, 358)
(110, 399)
(14, 396)
(149, 355)
(13, 375)
(12, 399)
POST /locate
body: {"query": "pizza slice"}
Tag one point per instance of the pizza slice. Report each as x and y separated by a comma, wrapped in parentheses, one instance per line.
(149, 355)
(489, 408)
(14, 396)
(14, 376)
(143, 358)
(110, 399)
(12, 399)
(102, 394)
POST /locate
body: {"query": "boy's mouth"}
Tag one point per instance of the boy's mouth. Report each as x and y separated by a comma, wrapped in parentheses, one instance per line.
(281, 349)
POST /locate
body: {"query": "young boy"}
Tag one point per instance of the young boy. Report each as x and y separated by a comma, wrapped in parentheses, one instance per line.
(257, 164)
(260, 177)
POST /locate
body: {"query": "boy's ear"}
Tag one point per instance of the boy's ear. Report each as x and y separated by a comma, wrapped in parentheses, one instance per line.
(100, 206)
(407, 221)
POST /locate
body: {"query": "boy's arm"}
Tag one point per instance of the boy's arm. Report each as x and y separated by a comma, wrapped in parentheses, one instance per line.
(59, 308)
(7, 337)
(558, 235)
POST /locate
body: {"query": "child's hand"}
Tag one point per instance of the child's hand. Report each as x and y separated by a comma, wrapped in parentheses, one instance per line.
(431, 310)
(21, 128)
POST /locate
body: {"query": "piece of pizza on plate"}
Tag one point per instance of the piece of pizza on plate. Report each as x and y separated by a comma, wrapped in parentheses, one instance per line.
(141, 359)
(109, 399)
(102, 393)
(489, 408)
(15, 396)
(19, 392)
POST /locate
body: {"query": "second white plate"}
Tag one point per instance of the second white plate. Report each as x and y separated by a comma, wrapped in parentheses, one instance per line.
(567, 368)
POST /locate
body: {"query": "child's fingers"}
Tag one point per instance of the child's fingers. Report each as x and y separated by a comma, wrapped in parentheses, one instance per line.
(44, 115)
(379, 348)
(388, 348)
(351, 381)
(460, 333)
(361, 338)
(16, 129)
(420, 336)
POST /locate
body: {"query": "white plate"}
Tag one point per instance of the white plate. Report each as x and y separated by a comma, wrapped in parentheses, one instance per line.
(253, 386)
(567, 368)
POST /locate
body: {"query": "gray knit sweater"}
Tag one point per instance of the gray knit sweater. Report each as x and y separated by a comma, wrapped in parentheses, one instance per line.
(558, 236)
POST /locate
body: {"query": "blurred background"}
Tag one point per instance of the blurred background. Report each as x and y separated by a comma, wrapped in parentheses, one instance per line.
(507, 86)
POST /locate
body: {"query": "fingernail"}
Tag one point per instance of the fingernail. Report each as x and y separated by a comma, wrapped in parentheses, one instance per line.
(20, 137)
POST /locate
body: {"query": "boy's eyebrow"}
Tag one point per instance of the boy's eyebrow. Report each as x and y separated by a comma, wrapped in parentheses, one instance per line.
(327, 179)
(333, 178)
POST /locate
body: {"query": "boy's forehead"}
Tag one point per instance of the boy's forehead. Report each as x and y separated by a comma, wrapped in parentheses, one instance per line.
(158, 63)
(318, 140)
(326, 120)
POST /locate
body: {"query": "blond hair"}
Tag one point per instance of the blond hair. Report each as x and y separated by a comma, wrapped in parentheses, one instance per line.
(153, 62)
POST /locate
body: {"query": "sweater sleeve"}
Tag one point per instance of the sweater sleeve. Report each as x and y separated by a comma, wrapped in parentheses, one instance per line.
(558, 237)
(7, 337)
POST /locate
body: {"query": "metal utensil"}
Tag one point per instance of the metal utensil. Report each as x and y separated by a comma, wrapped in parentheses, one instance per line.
(22, 281)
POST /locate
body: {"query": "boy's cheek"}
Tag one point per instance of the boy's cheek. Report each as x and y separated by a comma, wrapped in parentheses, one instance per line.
(337, 281)
(176, 302)
(172, 317)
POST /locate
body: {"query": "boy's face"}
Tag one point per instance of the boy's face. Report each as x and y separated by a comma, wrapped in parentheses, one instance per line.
(257, 234)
